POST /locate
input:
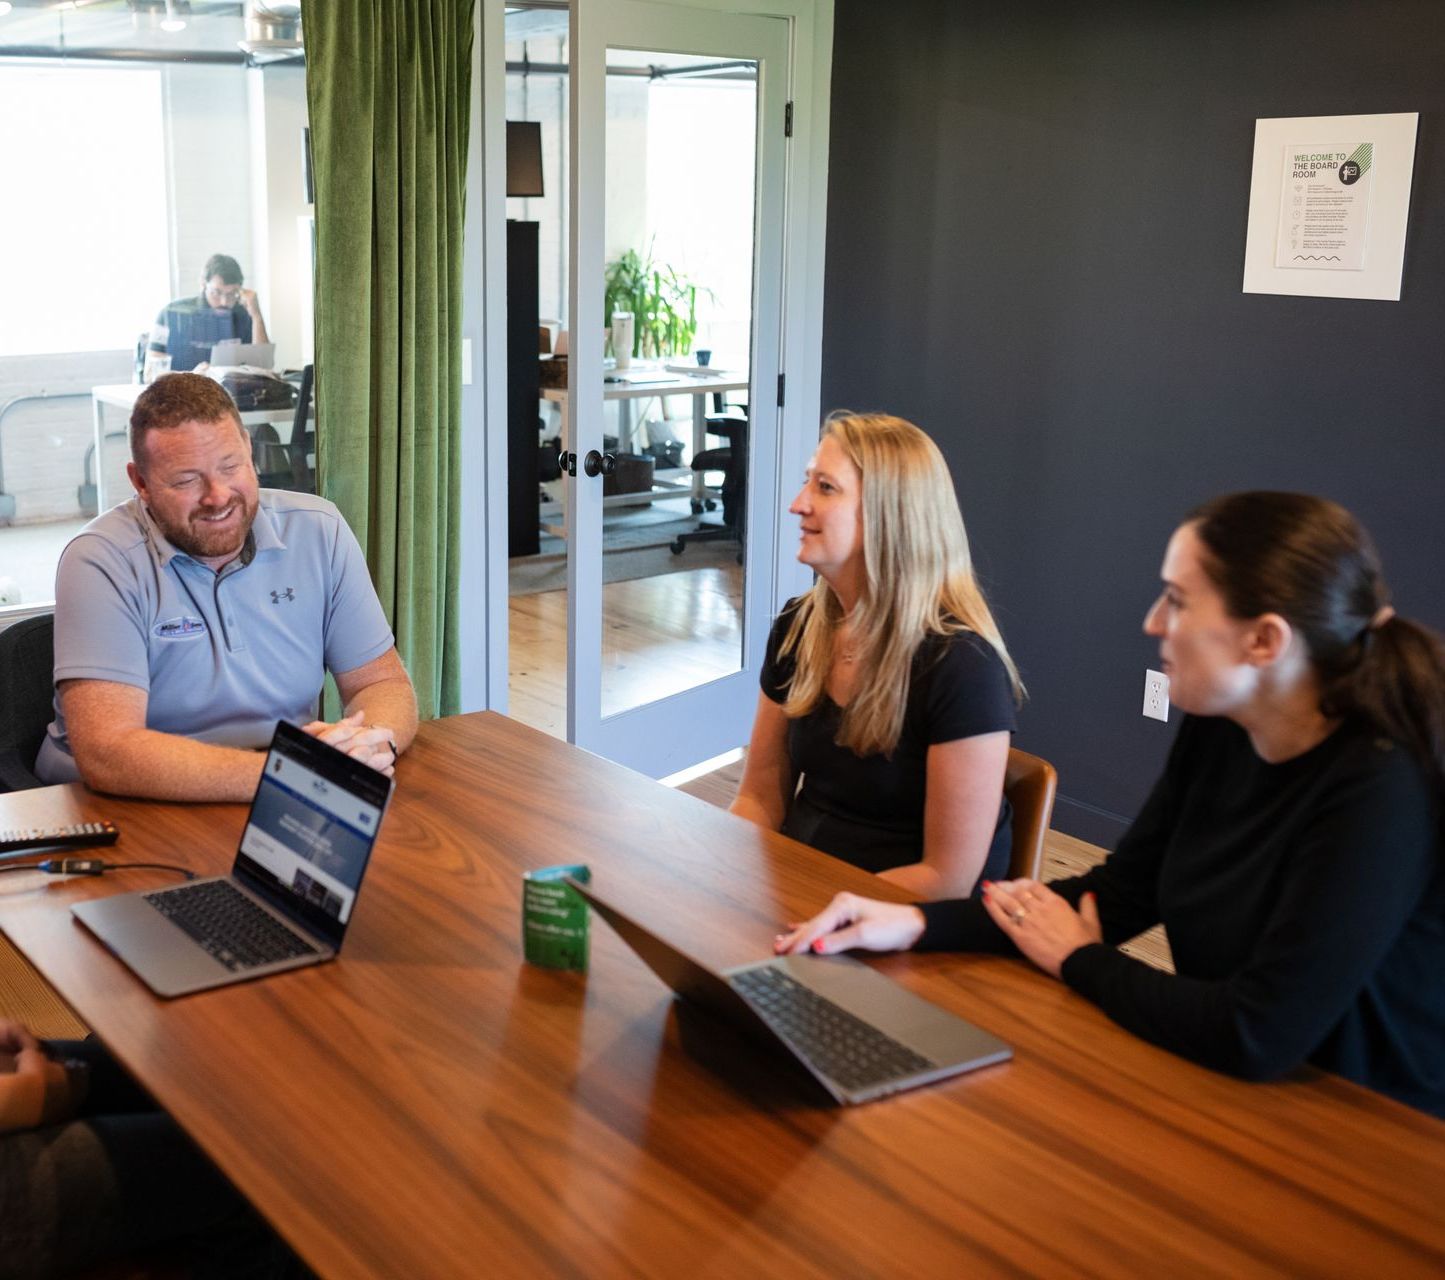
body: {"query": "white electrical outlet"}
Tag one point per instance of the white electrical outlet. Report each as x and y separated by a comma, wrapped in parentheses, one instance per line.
(1156, 695)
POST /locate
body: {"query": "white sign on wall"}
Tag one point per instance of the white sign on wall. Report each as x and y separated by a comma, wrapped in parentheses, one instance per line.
(1329, 204)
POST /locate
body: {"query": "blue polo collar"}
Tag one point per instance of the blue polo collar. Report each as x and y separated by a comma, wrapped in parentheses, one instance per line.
(262, 536)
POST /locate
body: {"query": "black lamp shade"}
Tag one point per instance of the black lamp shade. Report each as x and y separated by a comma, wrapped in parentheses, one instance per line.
(524, 158)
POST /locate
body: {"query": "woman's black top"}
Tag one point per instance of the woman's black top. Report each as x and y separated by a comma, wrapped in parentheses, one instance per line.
(868, 810)
(1305, 907)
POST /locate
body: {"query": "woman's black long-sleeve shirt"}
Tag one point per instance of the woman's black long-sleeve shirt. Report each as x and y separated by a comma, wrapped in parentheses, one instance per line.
(1305, 907)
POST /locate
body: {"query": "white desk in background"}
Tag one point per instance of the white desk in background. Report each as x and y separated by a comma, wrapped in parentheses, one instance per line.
(644, 382)
(123, 395)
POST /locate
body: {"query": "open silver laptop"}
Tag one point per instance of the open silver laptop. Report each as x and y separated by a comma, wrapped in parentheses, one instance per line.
(292, 887)
(259, 355)
(857, 1033)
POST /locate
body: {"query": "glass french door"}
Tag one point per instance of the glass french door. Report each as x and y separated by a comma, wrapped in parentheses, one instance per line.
(678, 165)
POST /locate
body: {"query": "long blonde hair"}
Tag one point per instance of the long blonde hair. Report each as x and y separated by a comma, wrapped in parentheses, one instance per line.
(918, 581)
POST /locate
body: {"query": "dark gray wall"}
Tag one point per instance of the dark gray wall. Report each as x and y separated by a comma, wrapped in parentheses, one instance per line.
(1036, 224)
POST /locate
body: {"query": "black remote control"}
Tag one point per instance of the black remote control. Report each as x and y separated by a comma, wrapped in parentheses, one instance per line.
(78, 835)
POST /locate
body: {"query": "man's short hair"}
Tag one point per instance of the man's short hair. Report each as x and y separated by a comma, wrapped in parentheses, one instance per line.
(225, 266)
(175, 399)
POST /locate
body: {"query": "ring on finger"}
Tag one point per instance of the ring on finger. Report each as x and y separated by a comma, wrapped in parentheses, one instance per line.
(1019, 916)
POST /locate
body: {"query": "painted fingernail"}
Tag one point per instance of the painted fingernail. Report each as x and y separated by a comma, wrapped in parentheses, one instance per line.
(818, 945)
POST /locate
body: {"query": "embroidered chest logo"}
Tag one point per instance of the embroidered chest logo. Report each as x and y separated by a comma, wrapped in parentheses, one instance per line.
(286, 593)
(182, 628)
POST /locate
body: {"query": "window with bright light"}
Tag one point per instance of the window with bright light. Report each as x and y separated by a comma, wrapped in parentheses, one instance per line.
(701, 153)
(83, 231)
(120, 182)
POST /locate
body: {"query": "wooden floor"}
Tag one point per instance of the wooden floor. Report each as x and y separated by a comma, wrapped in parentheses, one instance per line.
(26, 997)
(660, 635)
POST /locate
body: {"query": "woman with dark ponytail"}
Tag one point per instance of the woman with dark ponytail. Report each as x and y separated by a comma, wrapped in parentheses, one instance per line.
(1293, 847)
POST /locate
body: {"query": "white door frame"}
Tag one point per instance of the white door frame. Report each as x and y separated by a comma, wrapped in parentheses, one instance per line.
(665, 734)
(484, 603)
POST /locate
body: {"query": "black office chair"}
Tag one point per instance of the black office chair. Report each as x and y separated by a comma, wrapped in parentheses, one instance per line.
(288, 466)
(27, 698)
(303, 436)
(728, 422)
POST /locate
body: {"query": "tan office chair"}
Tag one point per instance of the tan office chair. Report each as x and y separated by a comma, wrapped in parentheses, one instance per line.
(1029, 783)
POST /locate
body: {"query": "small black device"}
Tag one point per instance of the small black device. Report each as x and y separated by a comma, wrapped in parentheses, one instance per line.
(75, 835)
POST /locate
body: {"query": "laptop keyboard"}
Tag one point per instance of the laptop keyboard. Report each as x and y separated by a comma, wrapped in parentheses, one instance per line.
(843, 1047)
(228, 925)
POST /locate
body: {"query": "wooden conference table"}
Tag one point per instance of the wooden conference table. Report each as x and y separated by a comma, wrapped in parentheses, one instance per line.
(431, 1106)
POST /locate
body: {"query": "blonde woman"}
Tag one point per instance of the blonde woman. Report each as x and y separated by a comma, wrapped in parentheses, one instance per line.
(888, 698)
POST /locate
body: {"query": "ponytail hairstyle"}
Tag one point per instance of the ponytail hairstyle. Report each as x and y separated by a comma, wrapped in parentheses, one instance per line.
(1311, 561)
(918, 581)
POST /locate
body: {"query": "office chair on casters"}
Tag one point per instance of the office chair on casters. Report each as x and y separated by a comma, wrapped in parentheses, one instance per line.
(27, 698)
(1029, 783)
(287, 466)
(731, 424)
(303, 436)
(723, 420)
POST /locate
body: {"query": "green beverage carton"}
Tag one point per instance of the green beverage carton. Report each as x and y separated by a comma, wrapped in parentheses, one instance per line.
(554, 918)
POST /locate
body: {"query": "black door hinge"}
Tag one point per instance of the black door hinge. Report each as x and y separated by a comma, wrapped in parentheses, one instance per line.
(788, 121)
(782, 388)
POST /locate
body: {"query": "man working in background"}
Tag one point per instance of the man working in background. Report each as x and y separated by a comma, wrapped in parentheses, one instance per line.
(188, 328)
(193, 617)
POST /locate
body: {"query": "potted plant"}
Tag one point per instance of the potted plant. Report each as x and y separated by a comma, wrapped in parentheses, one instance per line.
(663, 303)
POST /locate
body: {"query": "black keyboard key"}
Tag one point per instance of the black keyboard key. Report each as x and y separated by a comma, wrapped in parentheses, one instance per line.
(228, 925)
(836, 1042)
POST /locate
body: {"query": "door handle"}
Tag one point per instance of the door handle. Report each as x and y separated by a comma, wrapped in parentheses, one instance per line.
(596, 464)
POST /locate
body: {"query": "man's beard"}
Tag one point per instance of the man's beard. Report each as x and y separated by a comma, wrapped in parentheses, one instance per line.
(198, 538)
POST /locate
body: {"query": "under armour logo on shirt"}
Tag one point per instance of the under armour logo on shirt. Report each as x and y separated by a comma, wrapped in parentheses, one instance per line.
(288, 594)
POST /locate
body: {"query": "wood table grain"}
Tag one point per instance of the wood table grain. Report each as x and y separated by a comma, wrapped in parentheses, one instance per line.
(431, 1106)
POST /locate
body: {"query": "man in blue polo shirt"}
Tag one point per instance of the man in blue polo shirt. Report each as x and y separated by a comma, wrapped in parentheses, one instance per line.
(193, 617)
(224, 311)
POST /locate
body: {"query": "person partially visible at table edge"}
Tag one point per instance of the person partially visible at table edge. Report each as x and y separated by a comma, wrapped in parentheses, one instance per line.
(193, 617)
(887, 688)
(91, 1170)
(224, 311)
(1293, 846)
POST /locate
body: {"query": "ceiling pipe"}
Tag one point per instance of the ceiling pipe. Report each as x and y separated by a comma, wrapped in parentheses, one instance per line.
(74, 54)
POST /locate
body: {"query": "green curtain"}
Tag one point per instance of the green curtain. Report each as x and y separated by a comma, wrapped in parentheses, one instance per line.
(388, 85)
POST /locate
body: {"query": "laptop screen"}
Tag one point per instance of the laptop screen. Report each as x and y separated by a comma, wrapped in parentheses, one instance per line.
(259, 355)
(310, 832)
